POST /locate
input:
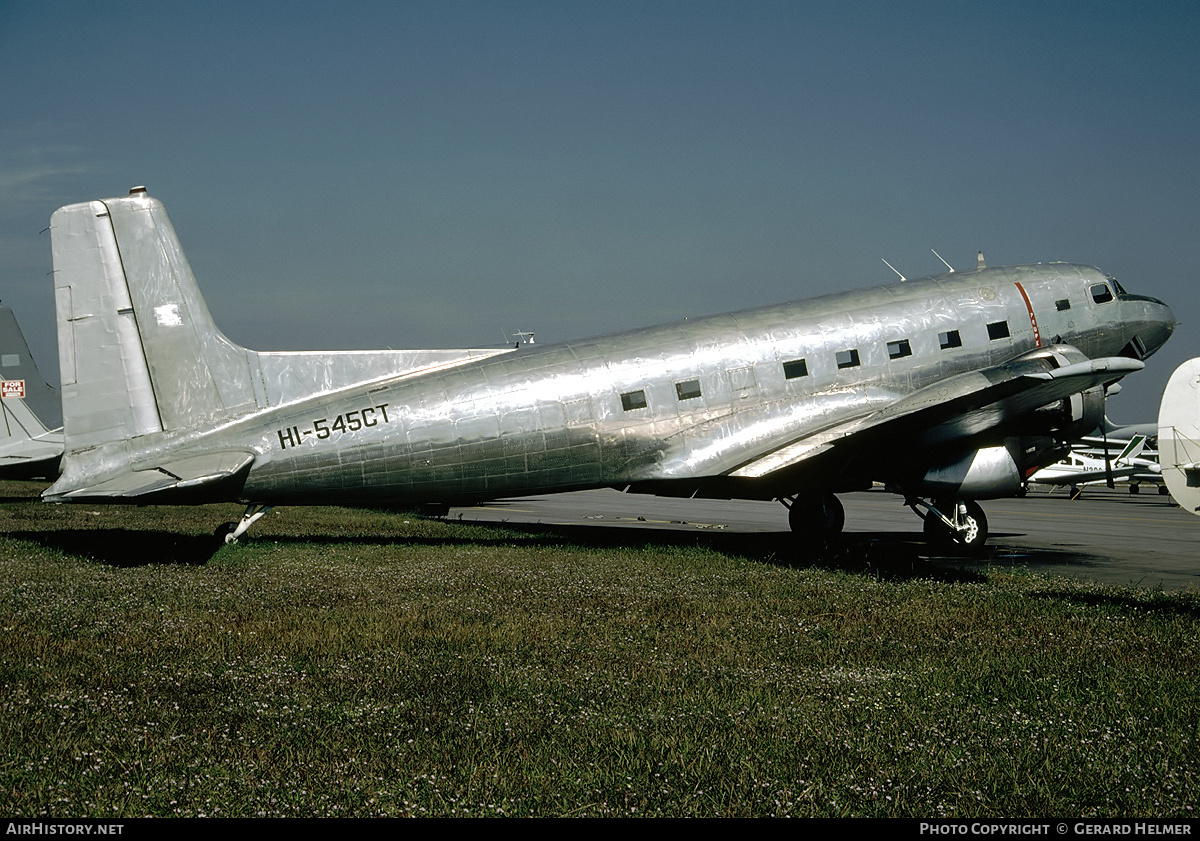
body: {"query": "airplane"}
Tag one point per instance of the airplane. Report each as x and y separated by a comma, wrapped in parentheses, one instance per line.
(31, 436)
(1179, 435)
(1091, 463)
(1111, 432)
(948, 389)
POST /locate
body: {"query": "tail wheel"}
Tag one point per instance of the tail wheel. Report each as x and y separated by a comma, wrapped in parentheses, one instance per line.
(224, 533)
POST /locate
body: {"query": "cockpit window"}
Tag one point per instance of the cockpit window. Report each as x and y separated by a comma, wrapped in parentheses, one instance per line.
(1120, 290)
(1101, 294)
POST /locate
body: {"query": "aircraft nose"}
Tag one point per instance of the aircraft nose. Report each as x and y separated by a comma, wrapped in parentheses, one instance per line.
(1158, 325)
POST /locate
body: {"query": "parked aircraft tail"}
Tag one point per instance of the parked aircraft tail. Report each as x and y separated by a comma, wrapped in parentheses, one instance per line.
(31, 441)
(138, 349)
(1179, 435)
(141, 357)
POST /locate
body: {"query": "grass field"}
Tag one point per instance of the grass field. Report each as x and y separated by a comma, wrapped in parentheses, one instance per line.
(363, 663)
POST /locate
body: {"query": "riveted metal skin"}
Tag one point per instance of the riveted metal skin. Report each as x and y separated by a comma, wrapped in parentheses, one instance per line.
(899, 384)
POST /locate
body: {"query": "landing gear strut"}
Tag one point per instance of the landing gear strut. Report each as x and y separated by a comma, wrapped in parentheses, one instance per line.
(818, 515)
(959, 522)
(228, 533)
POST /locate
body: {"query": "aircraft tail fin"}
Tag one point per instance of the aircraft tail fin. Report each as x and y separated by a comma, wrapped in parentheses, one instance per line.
(141, 357)
(138, 350)
(1132, 450)
(1179, 435)
(30, 414)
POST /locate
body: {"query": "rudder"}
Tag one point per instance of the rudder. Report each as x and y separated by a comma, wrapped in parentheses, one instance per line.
(138, 350)
(1179, 435)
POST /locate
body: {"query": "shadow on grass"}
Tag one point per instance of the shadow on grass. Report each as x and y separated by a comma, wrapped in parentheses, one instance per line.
(126, 547)
(1178, 603)
(22, 490)
(882, 555)
(885, 555)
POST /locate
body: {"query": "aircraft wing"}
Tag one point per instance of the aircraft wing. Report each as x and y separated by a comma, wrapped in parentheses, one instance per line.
(1085, 476)
(953, 409)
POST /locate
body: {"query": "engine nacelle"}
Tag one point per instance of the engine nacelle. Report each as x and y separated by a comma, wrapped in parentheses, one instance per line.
(986, 473)
(1071, 417)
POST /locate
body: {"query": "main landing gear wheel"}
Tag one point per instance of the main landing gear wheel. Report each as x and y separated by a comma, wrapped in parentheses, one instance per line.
(970, 529)
(816, 515)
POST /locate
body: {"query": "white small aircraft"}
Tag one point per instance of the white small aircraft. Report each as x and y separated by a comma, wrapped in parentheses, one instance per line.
(1091, 465)
(1179, 435)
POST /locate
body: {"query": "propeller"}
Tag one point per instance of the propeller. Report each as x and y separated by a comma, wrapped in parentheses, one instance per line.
(1108, 474)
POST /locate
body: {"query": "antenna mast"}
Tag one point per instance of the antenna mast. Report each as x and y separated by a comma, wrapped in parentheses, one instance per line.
(893, 268)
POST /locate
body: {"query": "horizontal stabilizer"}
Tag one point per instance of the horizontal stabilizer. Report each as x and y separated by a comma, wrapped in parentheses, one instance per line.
(211, 477)
(29, 450)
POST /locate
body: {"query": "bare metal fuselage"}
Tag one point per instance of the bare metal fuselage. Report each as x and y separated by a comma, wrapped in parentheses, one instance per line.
(917, 384)
(552, 418)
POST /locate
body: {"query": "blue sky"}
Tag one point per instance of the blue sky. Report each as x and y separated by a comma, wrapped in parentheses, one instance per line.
(412, 174)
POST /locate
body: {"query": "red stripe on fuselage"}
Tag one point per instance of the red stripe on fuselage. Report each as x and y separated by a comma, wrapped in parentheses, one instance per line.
(1037, 336)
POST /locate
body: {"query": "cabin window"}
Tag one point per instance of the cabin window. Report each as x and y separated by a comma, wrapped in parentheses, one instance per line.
(847, 358)
(1101, 294)
(949, 339)
(1062, 304)
(688, 389)
(795, 368)
(631, 400)
(998, 330)
(899, 349)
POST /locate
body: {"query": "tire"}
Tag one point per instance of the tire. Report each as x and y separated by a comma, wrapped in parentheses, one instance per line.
(224, 534)
(935, 530)
(972, 538)
(976, 533)
(817, 515)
